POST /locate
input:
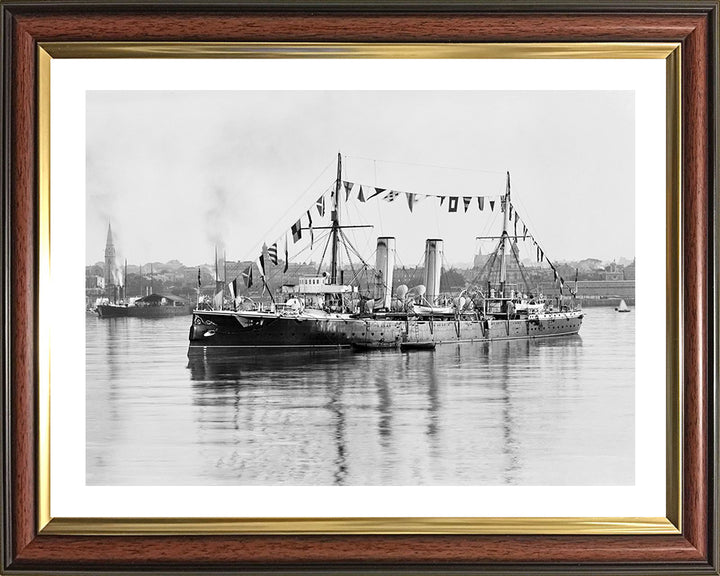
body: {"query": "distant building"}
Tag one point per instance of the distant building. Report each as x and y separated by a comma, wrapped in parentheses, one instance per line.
(613, 272)
(629, 271)
(480, 259)
(96, 283)
(109, 260)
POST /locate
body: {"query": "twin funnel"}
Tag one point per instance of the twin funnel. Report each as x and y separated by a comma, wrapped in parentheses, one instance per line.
(385, 265)
(433, 267)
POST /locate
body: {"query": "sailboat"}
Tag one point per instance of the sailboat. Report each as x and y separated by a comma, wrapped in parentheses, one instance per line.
(623, 307)
(323, 311)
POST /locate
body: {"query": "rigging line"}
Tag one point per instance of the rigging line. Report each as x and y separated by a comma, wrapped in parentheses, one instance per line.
(364, 231)
(258, 245)
(369, 283)
(398, 260)
(411, 275)
(357, 276)
(307, 246)
(345, 245)
(516, 253)
(490, 223)
(495, 195)
(317, 241)
(277, 270)
(377, 204)
(537, 245)
(346, 240)
(484, 231)
(458, 168)
(400, 264)
(528, 288)
(525, 218)
(299, 198)
(491, 262)
(322, 259)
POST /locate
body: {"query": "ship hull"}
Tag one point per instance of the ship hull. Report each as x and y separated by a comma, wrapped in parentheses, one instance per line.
(111, 311)
(255, 331)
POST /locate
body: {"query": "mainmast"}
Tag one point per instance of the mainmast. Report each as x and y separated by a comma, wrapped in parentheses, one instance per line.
(505, 238)
(335, 215)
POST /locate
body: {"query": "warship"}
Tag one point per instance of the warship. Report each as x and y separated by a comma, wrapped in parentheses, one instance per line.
(323, 311)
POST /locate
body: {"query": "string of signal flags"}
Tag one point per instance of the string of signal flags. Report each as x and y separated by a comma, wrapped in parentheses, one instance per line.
(363, 193)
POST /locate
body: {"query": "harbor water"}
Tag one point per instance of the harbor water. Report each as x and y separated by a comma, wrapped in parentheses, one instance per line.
(558, 411)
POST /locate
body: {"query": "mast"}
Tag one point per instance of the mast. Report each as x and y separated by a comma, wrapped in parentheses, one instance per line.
(337, 206)
(125, 283)
(505, 239)
(217, 279)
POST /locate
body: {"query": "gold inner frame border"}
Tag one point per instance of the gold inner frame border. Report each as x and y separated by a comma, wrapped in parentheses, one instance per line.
(670, 524)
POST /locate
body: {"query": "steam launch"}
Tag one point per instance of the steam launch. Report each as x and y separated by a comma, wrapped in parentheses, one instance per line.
(371, 310)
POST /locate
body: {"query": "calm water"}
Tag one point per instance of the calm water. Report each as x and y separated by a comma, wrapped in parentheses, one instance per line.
(559, 411)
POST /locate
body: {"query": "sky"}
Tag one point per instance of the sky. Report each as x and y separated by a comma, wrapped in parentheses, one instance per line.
(178, 173)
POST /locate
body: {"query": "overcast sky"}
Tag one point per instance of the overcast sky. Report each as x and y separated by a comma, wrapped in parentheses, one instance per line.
(179, 172)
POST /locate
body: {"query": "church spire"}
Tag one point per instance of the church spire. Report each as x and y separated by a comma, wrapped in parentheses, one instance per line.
(109, 259)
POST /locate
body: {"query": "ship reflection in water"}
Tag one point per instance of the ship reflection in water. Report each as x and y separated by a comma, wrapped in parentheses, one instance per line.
(553, 411)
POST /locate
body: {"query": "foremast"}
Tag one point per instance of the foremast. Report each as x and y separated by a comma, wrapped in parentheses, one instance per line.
(335, 216)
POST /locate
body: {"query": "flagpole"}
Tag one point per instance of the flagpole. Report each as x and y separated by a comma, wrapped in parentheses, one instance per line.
(503, 250)
(216, 278)
(198, 290)
(575, 294)
(287, 257)
(268, 289)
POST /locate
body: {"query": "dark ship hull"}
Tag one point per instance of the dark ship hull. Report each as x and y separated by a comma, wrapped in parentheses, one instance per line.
(243, 330)
(116, 311)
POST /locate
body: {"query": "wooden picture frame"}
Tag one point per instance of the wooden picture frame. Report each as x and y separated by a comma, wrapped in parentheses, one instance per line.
(34, 30)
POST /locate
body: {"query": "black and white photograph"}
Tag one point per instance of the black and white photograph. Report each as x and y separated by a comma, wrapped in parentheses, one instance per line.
(360, 288)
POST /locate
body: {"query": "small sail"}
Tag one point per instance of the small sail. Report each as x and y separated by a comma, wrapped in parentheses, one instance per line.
(623, 307)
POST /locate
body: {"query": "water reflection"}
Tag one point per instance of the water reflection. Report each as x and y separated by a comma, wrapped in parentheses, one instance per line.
(504, 413)
(398, 391)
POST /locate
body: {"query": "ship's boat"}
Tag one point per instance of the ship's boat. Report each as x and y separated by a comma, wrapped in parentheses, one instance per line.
(623, 307)
(324, 311)
(150, 306)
